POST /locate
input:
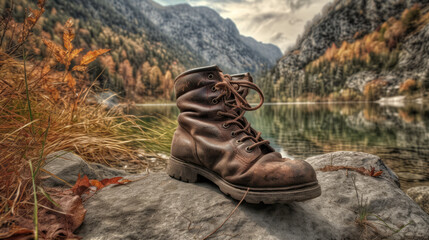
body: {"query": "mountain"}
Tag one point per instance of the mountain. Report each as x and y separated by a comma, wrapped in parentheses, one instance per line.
(206, 33)
(268, 51)
(150, 44)
(356, 50)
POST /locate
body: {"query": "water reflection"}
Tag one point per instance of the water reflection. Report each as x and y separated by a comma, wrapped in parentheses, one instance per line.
(400, 136)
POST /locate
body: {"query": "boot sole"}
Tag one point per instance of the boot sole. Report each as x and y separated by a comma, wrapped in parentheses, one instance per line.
(191, 173)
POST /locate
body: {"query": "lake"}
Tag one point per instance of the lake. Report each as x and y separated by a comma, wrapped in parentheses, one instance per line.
(398, 134)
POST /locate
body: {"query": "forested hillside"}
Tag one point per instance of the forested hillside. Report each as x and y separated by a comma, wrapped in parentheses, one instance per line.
(356, 50)
(141, 63)
(144, 58)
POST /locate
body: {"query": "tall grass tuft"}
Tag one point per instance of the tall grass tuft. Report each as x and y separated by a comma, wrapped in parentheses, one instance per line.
(41, 113)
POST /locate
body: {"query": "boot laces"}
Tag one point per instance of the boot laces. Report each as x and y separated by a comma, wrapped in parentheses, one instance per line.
(232, 96)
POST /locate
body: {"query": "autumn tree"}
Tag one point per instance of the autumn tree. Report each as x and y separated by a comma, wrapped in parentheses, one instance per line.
(126, 72)
(168, 85)
(155, 79)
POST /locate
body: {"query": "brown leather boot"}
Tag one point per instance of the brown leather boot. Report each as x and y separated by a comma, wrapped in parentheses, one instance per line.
(213, 140)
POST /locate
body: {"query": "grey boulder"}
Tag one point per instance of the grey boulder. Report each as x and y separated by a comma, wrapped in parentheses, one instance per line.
(159, 207)
(67, 166)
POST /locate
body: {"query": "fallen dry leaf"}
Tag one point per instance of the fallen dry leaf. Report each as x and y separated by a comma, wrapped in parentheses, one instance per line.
(54, 222)
(57, 222)
(17, 233)
(81, 185)
(373, 173)
(72, 205)
(109, 181)
(97, 184)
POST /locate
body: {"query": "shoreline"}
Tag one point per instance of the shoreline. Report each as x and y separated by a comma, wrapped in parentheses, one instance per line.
(395, 101)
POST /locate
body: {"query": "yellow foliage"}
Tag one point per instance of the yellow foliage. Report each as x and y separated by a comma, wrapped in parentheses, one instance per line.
(68, 35)
(349, 95)
(379, 42)
(31, 21)
(155, 76)
(403, 114)
(91, 56)
(408, 86)
(66, 55)
(373, 89)
(344, 95)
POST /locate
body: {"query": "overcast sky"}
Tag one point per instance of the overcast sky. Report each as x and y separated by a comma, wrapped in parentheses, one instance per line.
(270, 21)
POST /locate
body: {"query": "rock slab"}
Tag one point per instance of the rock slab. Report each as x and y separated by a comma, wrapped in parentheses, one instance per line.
(159, 207)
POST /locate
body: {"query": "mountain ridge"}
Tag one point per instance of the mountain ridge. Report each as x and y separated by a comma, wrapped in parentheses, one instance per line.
(145, 56)
(356, 50)
(216, 39)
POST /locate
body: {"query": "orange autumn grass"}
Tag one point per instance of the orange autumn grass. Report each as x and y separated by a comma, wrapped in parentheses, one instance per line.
(44, 110)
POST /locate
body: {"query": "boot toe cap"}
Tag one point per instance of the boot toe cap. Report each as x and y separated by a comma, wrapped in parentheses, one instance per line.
(283, 174)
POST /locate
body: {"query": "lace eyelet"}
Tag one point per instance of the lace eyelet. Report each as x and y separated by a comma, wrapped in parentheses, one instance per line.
(238, 141)
(214, 89)
(249, 150)
(233, 134)
(224, 125)
(210, 76)
(215, 101)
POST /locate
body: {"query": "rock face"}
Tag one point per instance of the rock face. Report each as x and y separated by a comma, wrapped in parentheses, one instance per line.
(421, 196)
(346, 20)
(342, 20)
(159, 207)
(207, 34)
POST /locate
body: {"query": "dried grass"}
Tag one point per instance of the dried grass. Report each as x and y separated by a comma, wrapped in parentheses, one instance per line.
(90, 130)
(40, 113)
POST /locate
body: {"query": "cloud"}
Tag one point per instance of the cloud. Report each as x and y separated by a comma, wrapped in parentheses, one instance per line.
(297, 4)
(277, 37)
(271, 21)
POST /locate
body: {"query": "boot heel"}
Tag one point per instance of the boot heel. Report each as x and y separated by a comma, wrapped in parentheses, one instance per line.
(181, 171)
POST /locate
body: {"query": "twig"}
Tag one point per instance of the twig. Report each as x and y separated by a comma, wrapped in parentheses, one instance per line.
(48, 208)
(190, 222)
(17, 195)
(229, 216)
(361, 170)
(55, 176)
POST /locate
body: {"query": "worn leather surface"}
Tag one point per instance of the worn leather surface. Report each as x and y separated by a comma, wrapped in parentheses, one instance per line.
(202, 139)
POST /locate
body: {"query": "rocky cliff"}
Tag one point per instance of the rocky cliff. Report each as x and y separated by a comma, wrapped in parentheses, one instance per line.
(207, 34)
(362, 48)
